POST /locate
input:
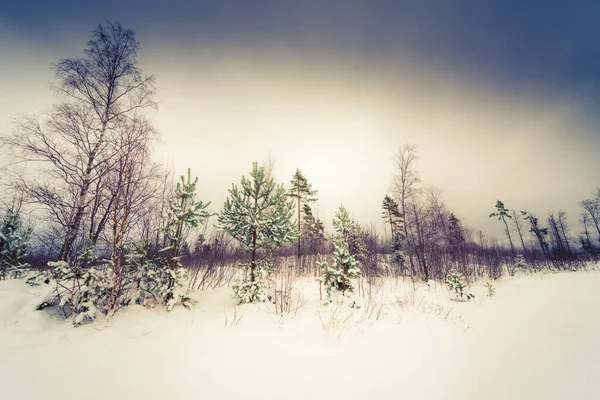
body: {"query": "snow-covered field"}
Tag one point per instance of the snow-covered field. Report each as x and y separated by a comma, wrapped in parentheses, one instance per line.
(537, 338)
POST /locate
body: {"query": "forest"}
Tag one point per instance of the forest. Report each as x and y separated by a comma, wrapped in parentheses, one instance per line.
(89, 214)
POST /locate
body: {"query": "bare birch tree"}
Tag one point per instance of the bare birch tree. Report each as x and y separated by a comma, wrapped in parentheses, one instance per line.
(404, 184)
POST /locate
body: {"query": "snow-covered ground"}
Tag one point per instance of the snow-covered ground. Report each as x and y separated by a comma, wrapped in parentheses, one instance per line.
(537, 338)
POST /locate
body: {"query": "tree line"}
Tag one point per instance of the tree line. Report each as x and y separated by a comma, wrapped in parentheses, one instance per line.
(114, 228)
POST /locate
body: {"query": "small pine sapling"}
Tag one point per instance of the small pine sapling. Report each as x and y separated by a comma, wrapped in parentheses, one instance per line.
(520, 261)
(80, 293)
(456, 284)
(337, 276)
(247, 290)
(14, 244)
(37, 278)
(183, 212)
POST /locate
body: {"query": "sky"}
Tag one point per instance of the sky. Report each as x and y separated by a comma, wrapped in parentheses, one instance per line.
(500, 97)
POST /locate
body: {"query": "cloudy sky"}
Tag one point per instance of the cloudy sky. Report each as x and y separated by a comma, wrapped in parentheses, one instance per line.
(501, 97)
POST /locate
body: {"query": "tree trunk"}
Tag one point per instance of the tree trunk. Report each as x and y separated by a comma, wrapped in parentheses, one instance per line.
(585, 229)
(512, 247)
(410, 256)
(76, 222)
(253, 258)
(518, 225)
(421, 245)
(556, 233)
(299, 226)
(562, 228)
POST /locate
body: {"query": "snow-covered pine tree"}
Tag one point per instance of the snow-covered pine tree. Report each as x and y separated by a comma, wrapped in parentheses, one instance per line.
(147, 282)
(337, 276)
(351, 232)
(259, 214)
(345, 265)
(302, 191)
(183, 211)
(14, 244)
(455, 281)
(80, 293)
(398, 255)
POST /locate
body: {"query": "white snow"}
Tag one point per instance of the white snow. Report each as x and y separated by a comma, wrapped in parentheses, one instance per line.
(536, 339)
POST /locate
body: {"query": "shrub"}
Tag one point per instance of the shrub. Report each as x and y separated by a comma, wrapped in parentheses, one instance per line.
(14, 243)
(246, 290)
(457, 286)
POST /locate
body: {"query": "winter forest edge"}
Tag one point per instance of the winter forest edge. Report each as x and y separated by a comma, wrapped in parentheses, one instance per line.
(115, 229)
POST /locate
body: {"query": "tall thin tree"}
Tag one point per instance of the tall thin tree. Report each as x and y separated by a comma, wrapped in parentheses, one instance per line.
(405, 183)
(519, 226)
(391, 214)
(302, 191)
(502, 213)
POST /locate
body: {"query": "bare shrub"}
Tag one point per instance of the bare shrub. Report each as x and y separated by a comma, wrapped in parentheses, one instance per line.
(213, 276)
(413, 302)
(286, 296)
(235, 318)
(372, 289)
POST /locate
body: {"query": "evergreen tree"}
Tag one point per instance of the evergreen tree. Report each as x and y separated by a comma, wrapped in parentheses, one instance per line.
(398, 255)
(392, 215)
(302, 191)
(539, 232)
(502, 213)
(259, 214)
(338, 275)
(313, 229)
(183, 211)
(456, 241)
(455, 233)
(350, 232)
(457, 285)
(14, 244)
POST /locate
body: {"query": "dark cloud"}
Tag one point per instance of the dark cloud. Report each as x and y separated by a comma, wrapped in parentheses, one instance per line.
(552, 45)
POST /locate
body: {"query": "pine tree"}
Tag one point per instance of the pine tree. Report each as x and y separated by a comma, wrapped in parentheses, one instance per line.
(302, 191)
(338, 275)
(313, 229)
(457, 285)
(183, 211)
(14, 244)
(539, 232)
(398, 255)
(259, 214)
(456, 241)
(350, 232)
(502, 213)
(392, 215)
